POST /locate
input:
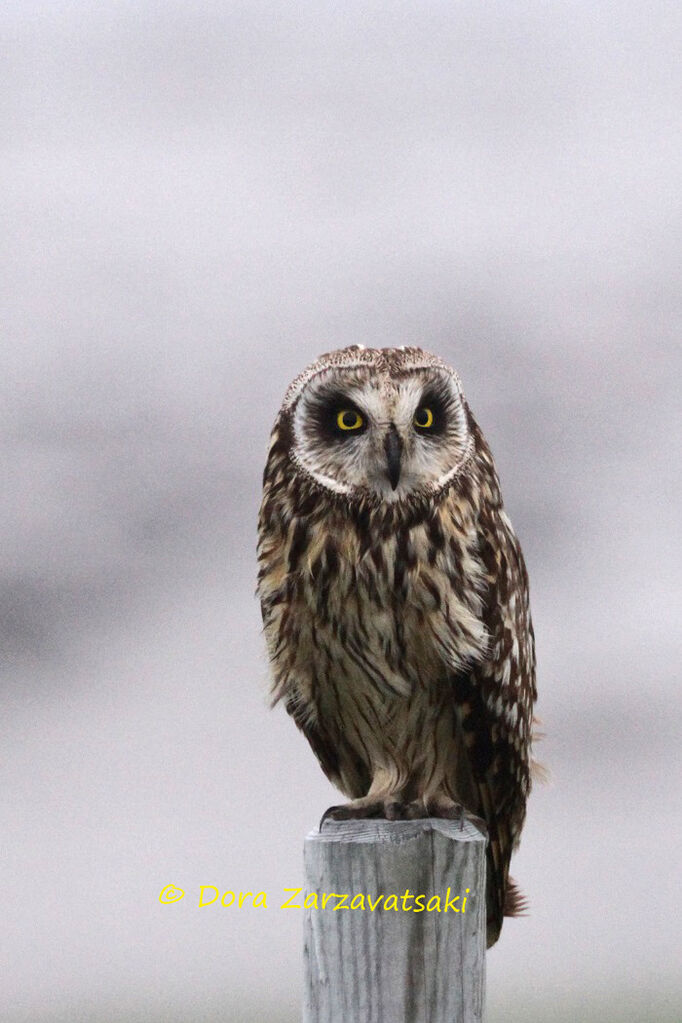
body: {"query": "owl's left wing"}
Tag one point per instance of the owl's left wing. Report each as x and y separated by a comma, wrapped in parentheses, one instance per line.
(494, 706)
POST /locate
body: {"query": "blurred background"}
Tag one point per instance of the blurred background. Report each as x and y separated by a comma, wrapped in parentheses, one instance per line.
(198, 199)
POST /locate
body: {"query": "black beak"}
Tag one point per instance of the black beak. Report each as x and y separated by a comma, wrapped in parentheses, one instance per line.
(393, 447)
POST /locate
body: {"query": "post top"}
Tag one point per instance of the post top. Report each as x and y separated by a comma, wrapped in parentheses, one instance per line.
(395, 832)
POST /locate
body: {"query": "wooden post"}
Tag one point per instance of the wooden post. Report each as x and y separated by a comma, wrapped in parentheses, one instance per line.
(392, 964)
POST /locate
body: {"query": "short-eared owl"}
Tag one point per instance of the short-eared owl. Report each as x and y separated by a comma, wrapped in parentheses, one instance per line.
(395, 598)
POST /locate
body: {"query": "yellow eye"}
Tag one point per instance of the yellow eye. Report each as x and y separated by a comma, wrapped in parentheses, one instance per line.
(423, 418)
(348, 419)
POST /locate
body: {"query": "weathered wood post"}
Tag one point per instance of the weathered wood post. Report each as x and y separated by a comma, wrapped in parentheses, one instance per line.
(395, 963)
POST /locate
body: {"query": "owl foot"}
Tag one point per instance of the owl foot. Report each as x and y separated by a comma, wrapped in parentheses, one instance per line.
(390, 809)
(448, 809)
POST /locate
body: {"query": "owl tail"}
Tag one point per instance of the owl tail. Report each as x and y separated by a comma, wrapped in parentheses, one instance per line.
(515, 902)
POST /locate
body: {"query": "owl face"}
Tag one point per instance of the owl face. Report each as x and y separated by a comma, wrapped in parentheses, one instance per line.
(390, 423)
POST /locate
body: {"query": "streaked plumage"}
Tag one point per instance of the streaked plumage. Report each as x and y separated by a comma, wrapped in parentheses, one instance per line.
(395, 598)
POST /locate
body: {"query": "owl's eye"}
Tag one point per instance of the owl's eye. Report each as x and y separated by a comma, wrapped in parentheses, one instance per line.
(349, 419)
(423, 418)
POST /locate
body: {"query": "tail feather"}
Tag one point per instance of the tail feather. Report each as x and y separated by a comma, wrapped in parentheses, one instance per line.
(515, 902)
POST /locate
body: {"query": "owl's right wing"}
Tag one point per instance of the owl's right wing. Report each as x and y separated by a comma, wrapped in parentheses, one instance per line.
(283, 610)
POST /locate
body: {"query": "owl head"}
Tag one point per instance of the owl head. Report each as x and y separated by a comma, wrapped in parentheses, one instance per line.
(387, 424)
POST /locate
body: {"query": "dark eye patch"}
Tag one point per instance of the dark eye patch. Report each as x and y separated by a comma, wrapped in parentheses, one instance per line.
(434, 399)
(324, 411)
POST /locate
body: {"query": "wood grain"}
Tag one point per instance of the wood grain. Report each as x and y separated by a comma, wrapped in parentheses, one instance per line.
(395, 965)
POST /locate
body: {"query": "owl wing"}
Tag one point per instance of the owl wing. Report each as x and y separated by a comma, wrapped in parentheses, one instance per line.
(494, 705)
(283, 610)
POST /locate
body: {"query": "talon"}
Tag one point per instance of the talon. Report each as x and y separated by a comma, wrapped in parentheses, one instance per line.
(352, 811)
(449, 811)
(334, 813)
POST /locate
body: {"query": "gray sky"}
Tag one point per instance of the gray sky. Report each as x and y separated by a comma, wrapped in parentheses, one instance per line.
(196, 201)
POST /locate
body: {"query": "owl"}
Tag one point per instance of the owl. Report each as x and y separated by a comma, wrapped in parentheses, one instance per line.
(394, 597)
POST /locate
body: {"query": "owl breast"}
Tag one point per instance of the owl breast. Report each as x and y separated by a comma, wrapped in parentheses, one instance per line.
(367, 623)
